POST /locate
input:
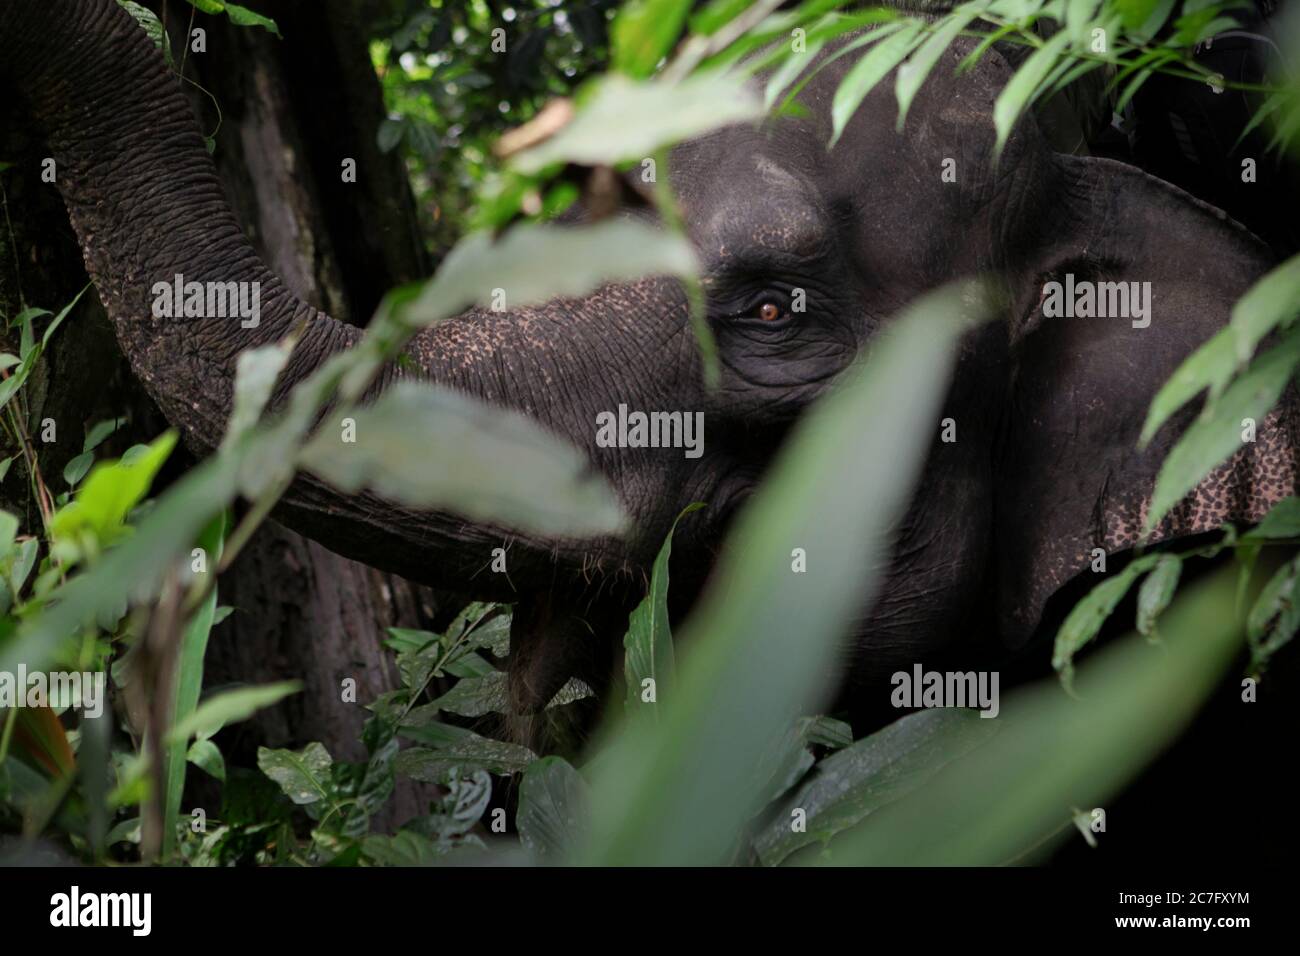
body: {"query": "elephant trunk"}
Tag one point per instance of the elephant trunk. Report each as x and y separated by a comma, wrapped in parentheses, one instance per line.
(147, 206)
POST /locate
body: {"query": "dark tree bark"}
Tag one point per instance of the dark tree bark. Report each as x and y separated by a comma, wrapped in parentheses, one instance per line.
(291, 112)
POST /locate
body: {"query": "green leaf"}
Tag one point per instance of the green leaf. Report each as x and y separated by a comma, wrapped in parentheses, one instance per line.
(255, 375)
(1210, 366)
(242, 16)
(644, 32)
(77, 467)
(497, 465)
(911, 75)
(554, 809)
(475, 696)
(230, 707)
(672, 791)
(789, 71)
(1023, 87)
(1272, 302)
(623, 120)
(848, 786)
(1085, 619)
(648, 643)
(1142, 19)
(1012, 797)
(100, 431)
(467, 752)
(205, 755)
(874, 65)
(151, 25)
(1282, 521)
(1275, 616)
(1157, 591)
(186, 688)
(8, 529)
(303, 775)
(1213, 437)
(111, 491)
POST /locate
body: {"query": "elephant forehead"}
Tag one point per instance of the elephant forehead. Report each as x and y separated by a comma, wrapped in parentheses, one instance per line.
(752, 208)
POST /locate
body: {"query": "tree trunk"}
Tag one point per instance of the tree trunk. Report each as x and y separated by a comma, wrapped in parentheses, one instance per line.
(290, 114)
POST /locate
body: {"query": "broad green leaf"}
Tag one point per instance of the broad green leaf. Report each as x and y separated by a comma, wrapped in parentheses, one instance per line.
(111, 491)
(648, 644)
(554, 810)
(404, 848)
(100, 431)
(644, 32)
(205, 755)
(873, 66)
(533, 264)
(1272, 302)
(1142, 19)
(8, 529)
(77, 467)
(255, 375)
(495, 465)
(1085, 619)
(1157, 591)
(671, 791)
(1011, 797)
(468, 751)
(911, 75)
(242, 16)
(230, 707)
(303, 775)
(1213, 437)
(1023, 87)
(849, 785)
(623, 120)
(132, 569)
(475, 696)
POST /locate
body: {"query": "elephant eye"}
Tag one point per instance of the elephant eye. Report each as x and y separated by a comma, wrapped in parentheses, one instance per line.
(770, 311)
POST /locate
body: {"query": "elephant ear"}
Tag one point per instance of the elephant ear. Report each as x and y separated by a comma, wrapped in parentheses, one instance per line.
(1071, 476)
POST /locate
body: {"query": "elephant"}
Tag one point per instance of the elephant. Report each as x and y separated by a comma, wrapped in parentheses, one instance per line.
(1046, 407)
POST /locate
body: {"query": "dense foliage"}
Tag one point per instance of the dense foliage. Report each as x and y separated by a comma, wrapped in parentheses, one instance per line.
(688, 767)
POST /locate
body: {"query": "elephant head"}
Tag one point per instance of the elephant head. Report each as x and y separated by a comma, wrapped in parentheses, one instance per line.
(1045, 409)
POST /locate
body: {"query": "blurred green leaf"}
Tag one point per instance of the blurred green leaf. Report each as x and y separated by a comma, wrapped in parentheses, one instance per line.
(1157, 591)
(1023, 87)
(1085, 619)
(468, 751)
(911, 75)
(648, 644)
(1012, 796)
(644, 32)
(672, 791)
(1210, 366)
(870, 69)
(849, 785)
(554, 809)
(1213, 437)
(623, 120)
(230, 707)
(1272, 302)
(498, 466)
